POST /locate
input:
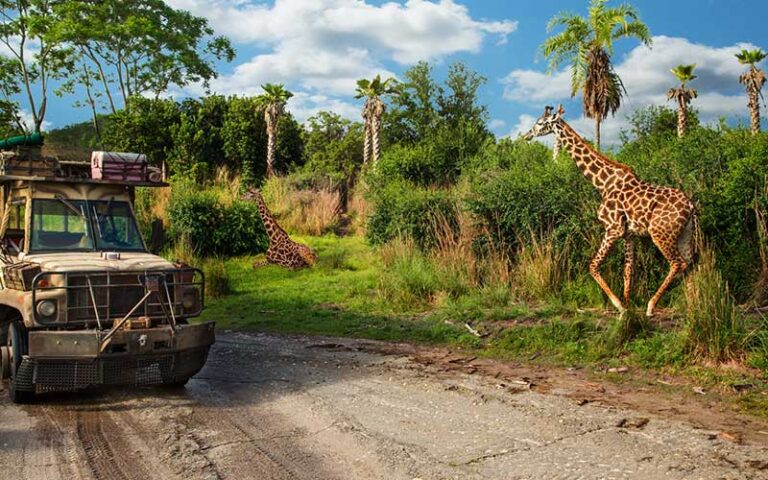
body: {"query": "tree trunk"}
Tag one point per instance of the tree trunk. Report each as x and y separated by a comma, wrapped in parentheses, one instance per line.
(754, 111)
(367, 143)
(682, 118)
(270, 153)
(375, 139)
(597, 132)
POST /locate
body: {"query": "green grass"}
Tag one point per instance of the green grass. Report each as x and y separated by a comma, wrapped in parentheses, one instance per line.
(343, 295)
(338, 296)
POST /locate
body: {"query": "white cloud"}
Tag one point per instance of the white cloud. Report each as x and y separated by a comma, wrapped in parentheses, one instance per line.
(29, 123)
(303, 105)
(325, 46)
(646, 76)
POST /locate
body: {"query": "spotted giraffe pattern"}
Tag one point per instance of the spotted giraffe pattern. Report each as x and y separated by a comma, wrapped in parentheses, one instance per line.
(282, 250)
(630, 207)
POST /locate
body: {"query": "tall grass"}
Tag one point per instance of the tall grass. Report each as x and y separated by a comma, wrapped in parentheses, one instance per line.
(714, 327)
(539, 269)
(456, 266)
(217, 281)
(306, 212)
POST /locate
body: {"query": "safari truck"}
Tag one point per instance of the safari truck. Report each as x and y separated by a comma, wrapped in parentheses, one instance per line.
(82, 301)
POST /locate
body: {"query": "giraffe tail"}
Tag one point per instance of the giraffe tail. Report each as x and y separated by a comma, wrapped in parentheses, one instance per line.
(689, 242)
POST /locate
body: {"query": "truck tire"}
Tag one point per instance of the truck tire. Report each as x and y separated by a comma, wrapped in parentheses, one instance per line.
(17, 345)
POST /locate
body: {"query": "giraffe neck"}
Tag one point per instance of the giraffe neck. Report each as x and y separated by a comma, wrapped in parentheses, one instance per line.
(274, 231)
(604, 173)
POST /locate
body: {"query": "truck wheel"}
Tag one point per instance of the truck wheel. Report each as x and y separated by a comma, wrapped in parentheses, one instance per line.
(177, 385)
(17, 346)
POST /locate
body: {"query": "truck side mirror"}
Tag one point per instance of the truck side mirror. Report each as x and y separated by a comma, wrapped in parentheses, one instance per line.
(157, 241)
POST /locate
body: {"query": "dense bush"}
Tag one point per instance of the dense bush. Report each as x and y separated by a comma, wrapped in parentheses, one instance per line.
(403, 209)
(213, 228)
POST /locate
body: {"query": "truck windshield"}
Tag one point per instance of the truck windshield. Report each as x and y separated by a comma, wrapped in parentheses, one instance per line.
(60, 225)
(79, 225)
(115, 226)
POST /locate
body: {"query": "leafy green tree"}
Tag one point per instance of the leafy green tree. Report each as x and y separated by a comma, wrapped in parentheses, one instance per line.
(414, 112)
(433, 129)
(25, 31)
(753, 81)
(289, 146)
(273, 102)
(587, 43)
(144, 127)
(197, 144)
(682, 95)
(245, 138)
(373, 109)
(143, 46)
(333, 151)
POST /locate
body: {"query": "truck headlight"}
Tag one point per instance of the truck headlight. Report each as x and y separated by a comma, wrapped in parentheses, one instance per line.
(189, 300)
(46, 308)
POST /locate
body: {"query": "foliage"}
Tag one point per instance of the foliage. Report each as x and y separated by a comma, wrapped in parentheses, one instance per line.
(213, 227)
(443, 125)
(406, 210)
(27, 33)
(714, 327)
(307, 212)
(217, 281)
(143, 47)
(333, 153)
(145, 127)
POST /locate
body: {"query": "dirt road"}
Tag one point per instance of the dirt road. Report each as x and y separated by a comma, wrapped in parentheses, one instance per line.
(269, 407)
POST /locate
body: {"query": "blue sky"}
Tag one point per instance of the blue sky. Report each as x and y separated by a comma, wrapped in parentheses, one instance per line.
(320, 47)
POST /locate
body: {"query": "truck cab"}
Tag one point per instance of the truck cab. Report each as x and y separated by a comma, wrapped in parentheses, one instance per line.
(82, 301)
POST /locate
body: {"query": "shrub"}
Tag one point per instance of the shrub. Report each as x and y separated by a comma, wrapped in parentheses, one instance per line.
(215, 229)
(401, 209)
(217, 281)
(714, 327)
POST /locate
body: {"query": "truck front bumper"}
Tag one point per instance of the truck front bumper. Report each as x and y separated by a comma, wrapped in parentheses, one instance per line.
(72, 360)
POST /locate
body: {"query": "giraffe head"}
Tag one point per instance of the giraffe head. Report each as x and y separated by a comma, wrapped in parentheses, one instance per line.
(252, 194)
(546, 123)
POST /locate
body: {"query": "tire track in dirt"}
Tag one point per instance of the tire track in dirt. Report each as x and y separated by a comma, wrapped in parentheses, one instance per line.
(50, 428)
(106, 453)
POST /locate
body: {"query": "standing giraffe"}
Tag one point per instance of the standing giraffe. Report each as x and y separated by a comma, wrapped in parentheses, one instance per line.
(282, 250)
(629, 207)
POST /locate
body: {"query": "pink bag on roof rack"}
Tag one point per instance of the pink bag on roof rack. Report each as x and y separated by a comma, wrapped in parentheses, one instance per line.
(131, 167)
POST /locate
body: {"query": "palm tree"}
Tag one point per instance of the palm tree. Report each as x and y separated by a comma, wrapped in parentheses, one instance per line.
(273, 101)
(587, 44)
(753, 81)
(682, 95)
(372, 91)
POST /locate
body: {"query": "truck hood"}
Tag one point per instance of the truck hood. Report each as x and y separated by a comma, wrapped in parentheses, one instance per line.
(93, 261)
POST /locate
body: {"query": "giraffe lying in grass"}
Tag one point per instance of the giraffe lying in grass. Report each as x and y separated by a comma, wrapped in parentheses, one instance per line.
(630, 207)
(282, 250)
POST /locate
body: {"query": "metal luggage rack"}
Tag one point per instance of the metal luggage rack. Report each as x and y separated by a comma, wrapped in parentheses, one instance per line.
(152, 294)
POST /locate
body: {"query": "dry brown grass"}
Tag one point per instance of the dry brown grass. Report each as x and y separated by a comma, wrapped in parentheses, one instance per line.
(306, 212)
(539, 268)
(358, 210)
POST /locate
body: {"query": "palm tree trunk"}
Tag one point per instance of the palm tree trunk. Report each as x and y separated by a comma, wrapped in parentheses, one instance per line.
(682, 118)
(367, 143)
(597, 131)
(375, 139)
(754, 111)
(270, 153)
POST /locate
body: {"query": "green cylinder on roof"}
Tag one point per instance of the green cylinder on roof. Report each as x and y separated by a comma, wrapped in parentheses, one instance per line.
(20, 140)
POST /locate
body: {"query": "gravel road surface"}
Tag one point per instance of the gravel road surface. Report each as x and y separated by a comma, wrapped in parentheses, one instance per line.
(272, 407)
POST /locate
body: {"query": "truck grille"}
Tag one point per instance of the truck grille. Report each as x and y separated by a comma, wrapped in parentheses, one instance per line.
(115, 296)
(110, 296)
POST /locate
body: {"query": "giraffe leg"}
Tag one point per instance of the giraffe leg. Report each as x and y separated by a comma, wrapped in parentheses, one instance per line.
(609, 240)
(629, 267)
(677, 264)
